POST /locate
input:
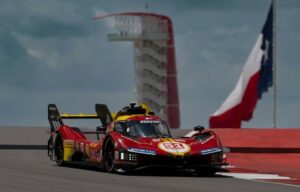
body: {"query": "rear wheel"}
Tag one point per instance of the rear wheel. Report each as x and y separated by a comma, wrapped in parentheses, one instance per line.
(206, 171)
(59, 150)
(109, 155)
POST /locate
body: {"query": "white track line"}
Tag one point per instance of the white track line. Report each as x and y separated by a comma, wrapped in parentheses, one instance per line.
(254, 176)
(277, 183)
(251, 176)
(260, 178)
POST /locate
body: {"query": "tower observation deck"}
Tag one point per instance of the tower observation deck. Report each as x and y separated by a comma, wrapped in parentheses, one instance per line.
(154, 60)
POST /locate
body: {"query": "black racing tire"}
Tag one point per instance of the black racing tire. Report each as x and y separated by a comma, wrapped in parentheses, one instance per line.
(206, 171)
(109, 155)
(59, 150)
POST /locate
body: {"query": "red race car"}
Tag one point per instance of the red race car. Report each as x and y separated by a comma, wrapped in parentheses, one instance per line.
(133, 138)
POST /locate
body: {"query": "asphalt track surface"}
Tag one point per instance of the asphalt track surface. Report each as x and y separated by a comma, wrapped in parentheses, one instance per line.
(29, 169)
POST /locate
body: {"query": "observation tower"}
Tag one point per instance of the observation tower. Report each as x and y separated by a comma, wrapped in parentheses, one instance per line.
(154, 60)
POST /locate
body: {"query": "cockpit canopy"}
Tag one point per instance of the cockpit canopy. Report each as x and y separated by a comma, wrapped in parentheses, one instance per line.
(143, 128)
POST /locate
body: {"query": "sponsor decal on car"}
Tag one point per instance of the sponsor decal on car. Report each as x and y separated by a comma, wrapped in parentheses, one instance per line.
(87, 149)
(156, 140)
(82, 147)
(174, 147)
(149, 121)
(141, 151)
(94, 145)
(93, 155)
(210, 151)
(77, 146)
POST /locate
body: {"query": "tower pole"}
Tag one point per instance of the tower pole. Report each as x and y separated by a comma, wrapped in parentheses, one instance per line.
(274, 54)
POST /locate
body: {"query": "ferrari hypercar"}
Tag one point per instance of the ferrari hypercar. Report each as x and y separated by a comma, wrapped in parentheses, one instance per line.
(133, 138)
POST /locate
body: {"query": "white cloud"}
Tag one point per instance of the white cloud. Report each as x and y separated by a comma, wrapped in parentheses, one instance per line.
(109, 21)
(231, 31)
(57, 53)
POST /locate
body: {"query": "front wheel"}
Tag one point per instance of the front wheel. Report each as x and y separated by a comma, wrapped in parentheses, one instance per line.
(109, 155)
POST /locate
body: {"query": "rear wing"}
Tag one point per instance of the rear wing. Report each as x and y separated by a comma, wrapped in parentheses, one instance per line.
(104, 114)
(56, 119)
(79, 116)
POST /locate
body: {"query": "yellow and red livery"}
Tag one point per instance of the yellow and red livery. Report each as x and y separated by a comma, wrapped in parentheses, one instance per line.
(133, 138)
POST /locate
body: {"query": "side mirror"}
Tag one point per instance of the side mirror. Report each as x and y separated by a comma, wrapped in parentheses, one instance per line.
(199, 128)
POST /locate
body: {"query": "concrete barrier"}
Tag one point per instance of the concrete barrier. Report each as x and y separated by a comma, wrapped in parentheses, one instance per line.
(260, 140)
(264, 150)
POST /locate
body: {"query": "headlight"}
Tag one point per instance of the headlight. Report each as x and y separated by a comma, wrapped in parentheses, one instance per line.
(127, 156)
(131, 154)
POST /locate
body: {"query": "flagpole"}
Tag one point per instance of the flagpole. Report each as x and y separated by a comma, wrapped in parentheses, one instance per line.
(274, 66)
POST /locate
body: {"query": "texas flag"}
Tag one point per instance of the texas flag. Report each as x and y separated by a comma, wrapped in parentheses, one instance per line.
(255, 79)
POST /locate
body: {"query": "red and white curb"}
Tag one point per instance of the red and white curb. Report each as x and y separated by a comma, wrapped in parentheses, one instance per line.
(246, 174)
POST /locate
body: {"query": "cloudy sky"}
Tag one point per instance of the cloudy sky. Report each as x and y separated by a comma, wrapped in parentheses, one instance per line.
(51, 51)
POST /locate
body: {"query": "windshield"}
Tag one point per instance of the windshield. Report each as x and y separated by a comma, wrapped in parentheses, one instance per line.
(153, 129)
